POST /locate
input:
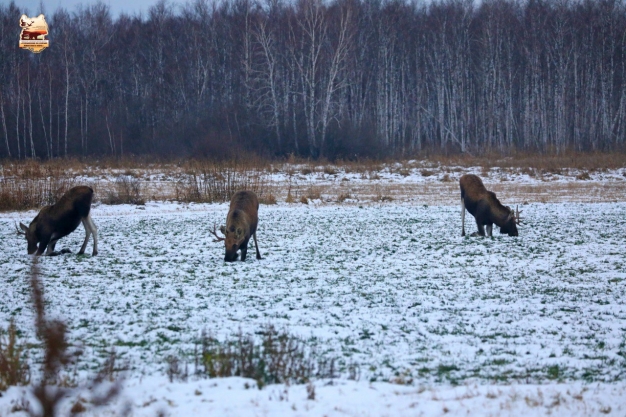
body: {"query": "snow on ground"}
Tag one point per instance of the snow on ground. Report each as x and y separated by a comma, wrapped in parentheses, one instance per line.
(228, 397)
(533, 324)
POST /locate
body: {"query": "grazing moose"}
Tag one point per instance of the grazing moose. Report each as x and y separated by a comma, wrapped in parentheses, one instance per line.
(486, 208)
(59, 220)
(241, 223)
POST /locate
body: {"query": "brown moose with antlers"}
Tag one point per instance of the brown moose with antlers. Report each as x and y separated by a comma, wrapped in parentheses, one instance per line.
(241, 223)
(59, 220)
(486, 208)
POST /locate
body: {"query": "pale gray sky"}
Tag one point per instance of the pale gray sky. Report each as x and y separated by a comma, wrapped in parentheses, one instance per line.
(116, 6)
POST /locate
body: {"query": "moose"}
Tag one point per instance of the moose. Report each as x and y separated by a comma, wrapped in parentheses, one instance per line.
(241, 223)
(59, 220)
(486, 208)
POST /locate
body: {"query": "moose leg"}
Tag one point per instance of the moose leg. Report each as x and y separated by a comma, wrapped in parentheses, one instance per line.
(481, 228)
(94, 231)
(43, 244)
(90, 228)
(489, 229)
(256, 246)
(51, 245)
(87, 227)
(244, 249)
(462, 217)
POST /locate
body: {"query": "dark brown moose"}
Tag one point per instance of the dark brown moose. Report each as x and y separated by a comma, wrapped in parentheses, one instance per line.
(486, 208)
(59, 220)
(241, 223)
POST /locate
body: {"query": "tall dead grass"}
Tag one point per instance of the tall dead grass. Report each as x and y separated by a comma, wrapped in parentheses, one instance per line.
(14, 368)
(32, 184)
(278, 357)
(210, 182)
(127, 189)
(32, 193)
(592, 161)
(29, 185)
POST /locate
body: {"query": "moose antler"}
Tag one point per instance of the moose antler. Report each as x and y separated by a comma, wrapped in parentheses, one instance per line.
(518, 219)
(19, 232)
(214, 232)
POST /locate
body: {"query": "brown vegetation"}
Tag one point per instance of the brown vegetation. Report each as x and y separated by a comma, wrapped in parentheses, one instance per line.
(278, 357)
(14, 368)
(210, 182)
(29, 184)
(592, 161)
(127, 189)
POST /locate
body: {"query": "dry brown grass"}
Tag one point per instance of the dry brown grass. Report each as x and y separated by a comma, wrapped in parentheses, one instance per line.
(592, 161)
(313, 193)
(14, 368)
(127, 189)
(32, 184)
(24, 194)
(268, 199)
(279, 357)
(28, 184)
(343, 197)
(208, 182)
(330, 170)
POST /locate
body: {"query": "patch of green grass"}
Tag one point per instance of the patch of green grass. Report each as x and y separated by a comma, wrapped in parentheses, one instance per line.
(141, 343)
(553, 372)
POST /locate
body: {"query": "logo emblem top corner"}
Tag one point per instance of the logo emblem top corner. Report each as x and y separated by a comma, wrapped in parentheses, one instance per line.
(34, 34)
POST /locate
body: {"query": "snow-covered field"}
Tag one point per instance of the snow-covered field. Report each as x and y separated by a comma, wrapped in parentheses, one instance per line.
(533, 324)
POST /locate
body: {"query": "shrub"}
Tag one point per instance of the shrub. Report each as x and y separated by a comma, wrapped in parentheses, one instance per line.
(30, 184)
(268, 199)
(343, 197)
(314, 193)
(126, 190)
(289, 198)
(206, 182)
(583, 176)
(330, 170)
(29, 193)
(278, 357)
(446, 178)
(14, 369)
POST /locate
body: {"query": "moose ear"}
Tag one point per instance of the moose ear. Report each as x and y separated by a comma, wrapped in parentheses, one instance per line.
(223, 230)
(23, 227)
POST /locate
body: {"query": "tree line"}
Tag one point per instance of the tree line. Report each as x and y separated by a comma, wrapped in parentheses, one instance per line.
(334, 78)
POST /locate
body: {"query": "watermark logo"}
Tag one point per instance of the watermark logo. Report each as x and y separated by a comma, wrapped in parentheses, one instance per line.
(34, 36)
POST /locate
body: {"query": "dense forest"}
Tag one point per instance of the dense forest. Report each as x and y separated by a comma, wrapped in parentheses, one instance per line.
(335, 79)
